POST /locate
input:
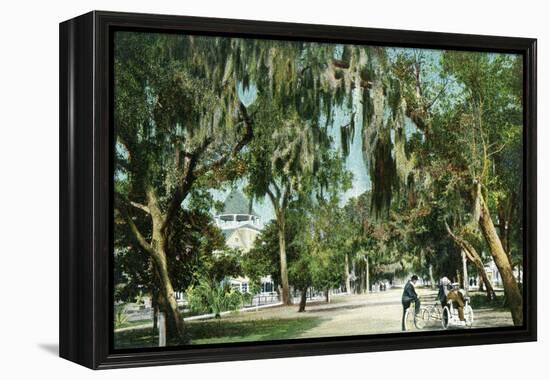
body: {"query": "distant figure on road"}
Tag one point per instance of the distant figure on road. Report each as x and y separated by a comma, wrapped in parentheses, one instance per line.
(409, 295)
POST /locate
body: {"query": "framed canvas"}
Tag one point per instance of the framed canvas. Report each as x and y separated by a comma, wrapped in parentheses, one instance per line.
(235, 189)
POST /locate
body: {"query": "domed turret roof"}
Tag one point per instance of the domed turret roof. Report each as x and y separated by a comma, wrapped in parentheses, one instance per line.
(236, 203)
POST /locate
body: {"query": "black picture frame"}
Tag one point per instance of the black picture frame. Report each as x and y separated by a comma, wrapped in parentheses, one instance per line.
(86, 167)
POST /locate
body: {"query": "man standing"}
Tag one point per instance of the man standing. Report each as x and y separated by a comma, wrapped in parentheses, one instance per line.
(409, 295)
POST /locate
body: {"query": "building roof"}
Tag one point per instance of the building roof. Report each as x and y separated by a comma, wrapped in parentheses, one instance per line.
(236, 203)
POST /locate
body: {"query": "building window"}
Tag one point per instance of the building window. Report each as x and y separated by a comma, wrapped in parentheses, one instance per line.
(267, 287)
(244, 287)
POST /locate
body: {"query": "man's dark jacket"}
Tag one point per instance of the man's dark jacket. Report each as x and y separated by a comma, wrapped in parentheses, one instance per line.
(409, 293)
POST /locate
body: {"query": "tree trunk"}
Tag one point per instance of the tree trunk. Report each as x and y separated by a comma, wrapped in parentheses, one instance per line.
(465, 277)
(175, 331)
(157, 251)
(327, 295)
(513, 295)
(364, 277)
(285, 291)
(346, 269)
(432, 280)
(154, 305)
(504, 222)
(303, 299)
(481, 281)
(367, 274)
(475, 258)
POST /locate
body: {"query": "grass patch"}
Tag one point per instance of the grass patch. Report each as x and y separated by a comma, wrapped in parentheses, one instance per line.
(221, 331)
(143, 322)
(479, 300)
(136, 338)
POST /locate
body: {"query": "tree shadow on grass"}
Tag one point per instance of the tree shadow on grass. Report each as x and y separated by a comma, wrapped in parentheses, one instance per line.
(223, 331)
(136, 338)
(251, 330)
(324, 307)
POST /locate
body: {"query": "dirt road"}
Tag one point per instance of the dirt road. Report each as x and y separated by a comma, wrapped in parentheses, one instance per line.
(374, 313)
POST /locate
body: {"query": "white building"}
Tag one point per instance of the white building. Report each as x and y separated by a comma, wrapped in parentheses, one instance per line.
(494, 275)
(241, 225)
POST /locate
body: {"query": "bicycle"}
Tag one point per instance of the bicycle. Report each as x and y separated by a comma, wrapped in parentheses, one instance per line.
(432, 312)
(413, 321)
(450, 317)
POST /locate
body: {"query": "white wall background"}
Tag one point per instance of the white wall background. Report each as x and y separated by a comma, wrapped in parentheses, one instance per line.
(29, 187)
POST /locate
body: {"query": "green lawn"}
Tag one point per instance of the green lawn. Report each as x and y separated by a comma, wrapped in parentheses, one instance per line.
(134, 324)
(149, 322)
(479, 300)
(221, 331)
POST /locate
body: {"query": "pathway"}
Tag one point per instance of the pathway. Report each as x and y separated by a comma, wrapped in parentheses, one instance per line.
(373, 313)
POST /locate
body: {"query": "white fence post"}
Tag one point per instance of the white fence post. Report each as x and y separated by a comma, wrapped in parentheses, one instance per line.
(162, 330)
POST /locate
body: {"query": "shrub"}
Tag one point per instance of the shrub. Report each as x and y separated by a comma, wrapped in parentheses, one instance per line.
(211, 297)
(120, 316)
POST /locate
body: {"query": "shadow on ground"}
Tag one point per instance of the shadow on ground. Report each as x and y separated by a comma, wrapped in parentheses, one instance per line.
(224, 331)
(52, 348)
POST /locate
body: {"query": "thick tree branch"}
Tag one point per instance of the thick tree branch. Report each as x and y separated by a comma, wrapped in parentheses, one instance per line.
(191, 172)
(135, 231)
(419, 117)
(140, 206)
(152, 203)
(443, 88)
(274, 199)
(277, 189)
(243, 141)
(474, 257)
(186, 178)
(466, 247)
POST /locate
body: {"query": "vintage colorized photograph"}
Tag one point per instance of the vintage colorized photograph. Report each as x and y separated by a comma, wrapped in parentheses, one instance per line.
(269, 190)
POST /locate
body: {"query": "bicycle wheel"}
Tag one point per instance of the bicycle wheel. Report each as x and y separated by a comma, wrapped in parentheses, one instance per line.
(433, 314)
(419, 321)
(469, 315)
(427, 314)
(445, 317)
(436, 313)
